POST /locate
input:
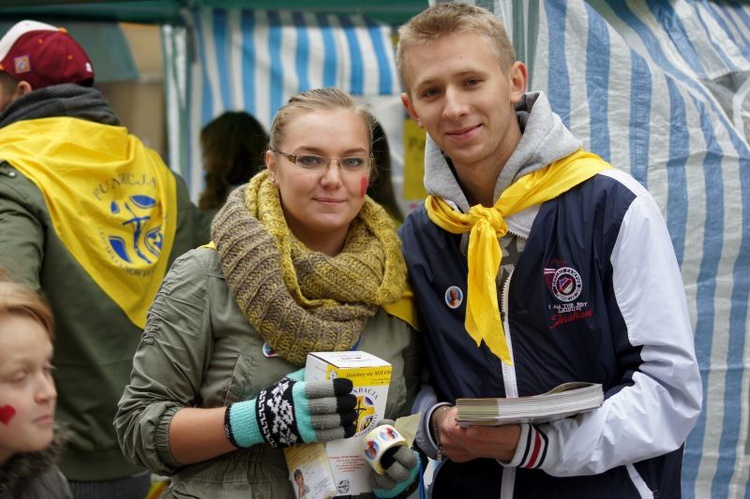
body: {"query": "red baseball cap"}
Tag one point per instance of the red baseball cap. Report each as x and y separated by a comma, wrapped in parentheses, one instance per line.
(44, 55)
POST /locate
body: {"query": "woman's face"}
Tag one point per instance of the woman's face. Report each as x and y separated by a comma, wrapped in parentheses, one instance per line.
(27, 391)
(319, 205)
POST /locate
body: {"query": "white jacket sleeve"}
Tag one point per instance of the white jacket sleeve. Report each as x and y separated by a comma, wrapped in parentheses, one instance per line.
(654, 413)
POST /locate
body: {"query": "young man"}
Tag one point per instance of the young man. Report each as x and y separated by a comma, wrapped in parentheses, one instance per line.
(563, 269)
(92, 218)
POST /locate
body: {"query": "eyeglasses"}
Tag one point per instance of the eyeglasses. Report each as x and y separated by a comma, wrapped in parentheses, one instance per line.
(315, 163)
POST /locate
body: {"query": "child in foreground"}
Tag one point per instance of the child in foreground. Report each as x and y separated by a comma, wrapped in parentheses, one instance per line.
(28, 441)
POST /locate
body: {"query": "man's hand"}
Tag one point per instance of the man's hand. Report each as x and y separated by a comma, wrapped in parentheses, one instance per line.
(473, 442)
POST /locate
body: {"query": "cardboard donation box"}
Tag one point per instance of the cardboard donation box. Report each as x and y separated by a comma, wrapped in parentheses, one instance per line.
(338, 467)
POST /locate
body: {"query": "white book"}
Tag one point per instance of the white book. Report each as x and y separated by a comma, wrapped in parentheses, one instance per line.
(567, 399)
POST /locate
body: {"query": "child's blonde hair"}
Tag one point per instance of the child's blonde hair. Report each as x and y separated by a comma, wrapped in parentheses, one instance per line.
(19, 300)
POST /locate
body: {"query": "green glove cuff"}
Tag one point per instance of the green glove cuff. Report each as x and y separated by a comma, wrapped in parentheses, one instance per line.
(241, 425)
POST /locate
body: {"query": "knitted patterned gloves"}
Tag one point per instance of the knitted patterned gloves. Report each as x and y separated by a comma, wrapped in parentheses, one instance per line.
(293, 411)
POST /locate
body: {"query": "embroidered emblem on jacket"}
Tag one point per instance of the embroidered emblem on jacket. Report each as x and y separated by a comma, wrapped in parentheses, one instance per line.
(566, 285)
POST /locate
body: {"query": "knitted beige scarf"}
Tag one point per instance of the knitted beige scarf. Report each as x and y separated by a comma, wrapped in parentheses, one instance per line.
(300, 300)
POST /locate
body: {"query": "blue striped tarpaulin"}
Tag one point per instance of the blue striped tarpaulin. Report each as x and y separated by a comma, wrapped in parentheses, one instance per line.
(255, 60)
(662, 90)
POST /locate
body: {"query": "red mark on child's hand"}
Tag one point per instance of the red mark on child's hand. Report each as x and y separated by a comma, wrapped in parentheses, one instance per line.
(6, 414)
(363, 186)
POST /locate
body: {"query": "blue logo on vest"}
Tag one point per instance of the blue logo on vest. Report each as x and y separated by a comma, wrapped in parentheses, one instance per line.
(146, 245)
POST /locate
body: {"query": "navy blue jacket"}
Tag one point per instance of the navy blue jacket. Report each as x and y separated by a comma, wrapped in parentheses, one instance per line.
(595, 296)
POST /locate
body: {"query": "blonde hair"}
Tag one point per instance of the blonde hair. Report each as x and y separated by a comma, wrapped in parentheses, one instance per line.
(19, 300)
(447, 18)
(318, 99)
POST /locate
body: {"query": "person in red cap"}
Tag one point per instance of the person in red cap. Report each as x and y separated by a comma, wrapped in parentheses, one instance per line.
(36, 55)
(92, 218)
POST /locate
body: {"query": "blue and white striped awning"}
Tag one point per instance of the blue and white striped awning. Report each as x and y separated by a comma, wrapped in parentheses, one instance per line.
(255, 60)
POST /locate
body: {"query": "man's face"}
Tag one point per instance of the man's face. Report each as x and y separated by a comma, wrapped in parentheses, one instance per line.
(457, 90)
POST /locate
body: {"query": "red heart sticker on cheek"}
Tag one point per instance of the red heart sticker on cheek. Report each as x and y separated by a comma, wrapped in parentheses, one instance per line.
(6, 414)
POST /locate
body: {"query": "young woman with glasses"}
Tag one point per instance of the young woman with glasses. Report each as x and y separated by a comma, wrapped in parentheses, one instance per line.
(301, 261)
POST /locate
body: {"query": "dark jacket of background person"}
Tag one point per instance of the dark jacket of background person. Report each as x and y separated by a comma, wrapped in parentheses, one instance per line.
(381, 186)
(34, 476)
(95, 339)
(233, 145)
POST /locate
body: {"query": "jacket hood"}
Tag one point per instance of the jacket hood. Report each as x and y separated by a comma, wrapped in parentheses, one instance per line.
(544, 139)
(68, 100)
(19, 470)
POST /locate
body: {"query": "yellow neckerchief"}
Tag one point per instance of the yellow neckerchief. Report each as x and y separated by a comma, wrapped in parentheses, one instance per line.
(486, 225)
(404, 308)
(112, 201)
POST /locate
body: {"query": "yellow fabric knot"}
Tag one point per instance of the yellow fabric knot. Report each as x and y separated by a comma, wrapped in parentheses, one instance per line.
(486, 225)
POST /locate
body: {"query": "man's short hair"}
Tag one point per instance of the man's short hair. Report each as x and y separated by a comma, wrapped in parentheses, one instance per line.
(454, 17)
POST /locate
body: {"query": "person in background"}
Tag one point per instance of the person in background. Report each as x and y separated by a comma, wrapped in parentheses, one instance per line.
(91, 218)
(381, 185)
(29, 442)
(567, 273)
(301, 261)
(233, 145)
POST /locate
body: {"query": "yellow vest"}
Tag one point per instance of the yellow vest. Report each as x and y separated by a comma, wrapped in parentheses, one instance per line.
(112, 201)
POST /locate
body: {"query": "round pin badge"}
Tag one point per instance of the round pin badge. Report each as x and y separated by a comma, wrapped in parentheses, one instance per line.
(454, 297)
(268, 351)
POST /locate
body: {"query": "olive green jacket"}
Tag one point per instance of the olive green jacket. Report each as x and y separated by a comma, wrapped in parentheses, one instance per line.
(200, 350)
(95, 340)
